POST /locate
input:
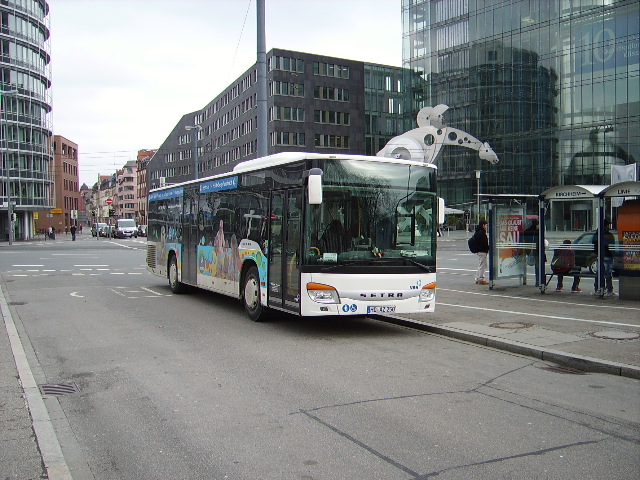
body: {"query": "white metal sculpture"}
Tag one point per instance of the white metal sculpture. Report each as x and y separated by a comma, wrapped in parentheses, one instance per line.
(425, 142)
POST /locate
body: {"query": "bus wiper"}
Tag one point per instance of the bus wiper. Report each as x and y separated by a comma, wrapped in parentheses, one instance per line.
(333, 267)
(418, 264)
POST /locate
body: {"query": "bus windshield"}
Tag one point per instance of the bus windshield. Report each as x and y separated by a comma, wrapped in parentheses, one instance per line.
(373, 212)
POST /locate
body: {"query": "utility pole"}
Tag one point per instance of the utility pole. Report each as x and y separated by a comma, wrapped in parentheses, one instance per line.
(262, 83)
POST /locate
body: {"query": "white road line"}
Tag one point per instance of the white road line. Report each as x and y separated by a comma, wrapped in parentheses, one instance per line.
(27, 265)
(545, 300)
(539, 315)
(151, 291)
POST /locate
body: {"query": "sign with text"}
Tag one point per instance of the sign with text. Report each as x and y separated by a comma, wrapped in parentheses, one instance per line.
(509, 260)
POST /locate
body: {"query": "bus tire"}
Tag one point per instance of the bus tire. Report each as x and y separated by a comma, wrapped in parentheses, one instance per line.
(175, 285)
(251, 295)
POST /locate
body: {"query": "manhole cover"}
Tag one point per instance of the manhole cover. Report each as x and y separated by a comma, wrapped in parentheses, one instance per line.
(511, 325)
(58, 388)
(616, 335)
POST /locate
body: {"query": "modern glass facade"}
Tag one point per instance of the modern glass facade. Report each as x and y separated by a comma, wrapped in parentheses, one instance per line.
(25, 131)
(552, 85)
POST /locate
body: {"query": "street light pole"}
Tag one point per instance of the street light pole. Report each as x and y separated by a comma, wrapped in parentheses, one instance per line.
(478, 186)
(6, 166)
(197, 129)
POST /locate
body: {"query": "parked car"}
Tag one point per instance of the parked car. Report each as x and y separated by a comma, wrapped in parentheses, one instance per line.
(142, 230)
(125, 228)
(586, 256)
(99, 229)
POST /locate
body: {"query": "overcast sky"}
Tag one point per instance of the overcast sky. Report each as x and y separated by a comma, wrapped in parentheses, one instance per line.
(125, 71)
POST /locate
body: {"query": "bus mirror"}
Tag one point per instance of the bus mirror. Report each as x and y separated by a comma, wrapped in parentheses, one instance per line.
(440, 210)
(314, 186)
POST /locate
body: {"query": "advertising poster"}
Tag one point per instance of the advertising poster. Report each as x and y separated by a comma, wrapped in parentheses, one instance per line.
(508, 256)
(631, 240)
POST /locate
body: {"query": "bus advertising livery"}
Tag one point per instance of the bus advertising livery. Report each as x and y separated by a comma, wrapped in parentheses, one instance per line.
(308, 234)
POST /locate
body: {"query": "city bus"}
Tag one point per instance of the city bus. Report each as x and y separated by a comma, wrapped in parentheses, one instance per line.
(308, 234)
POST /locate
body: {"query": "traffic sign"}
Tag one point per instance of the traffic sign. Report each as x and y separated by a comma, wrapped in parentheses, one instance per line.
(109, 201)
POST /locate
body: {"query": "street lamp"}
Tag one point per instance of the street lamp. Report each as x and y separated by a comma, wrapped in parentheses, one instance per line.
(197, 129)
(478, 185)
(6, 166)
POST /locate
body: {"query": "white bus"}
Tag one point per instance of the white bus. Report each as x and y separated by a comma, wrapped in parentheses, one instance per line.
(308, 234)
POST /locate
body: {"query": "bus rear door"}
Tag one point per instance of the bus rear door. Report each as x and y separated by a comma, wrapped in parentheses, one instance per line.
(284, 249)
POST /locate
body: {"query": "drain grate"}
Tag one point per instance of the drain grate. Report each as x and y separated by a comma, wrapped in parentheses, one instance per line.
(511, 325)
(564, 370)
(58, 388)
(17, 303)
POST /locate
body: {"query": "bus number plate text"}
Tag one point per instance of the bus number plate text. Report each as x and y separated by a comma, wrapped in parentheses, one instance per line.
(377, 309)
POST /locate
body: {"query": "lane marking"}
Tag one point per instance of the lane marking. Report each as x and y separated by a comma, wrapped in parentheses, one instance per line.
(539, 315)
(27, 265)
(575, 304)
(75, 294)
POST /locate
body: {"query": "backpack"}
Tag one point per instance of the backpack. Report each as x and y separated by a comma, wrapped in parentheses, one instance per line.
(561, 263)
(473, 244)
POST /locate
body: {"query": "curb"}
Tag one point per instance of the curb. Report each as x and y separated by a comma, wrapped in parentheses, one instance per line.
(578, 362)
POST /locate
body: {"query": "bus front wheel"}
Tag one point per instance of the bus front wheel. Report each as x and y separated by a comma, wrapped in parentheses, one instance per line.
(251, 295)
(175, 285)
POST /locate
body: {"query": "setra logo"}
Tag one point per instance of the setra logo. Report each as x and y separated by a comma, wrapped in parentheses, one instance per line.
(382, 295)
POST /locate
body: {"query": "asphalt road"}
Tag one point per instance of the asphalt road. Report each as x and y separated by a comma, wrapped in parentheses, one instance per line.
(186, 387)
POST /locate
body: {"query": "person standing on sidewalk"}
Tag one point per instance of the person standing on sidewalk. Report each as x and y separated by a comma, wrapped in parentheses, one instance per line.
(482, 245)
(73, 232)
(609, 240)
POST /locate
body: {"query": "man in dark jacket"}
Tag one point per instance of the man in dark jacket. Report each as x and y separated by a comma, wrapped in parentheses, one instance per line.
(609, 241)
(482, 244)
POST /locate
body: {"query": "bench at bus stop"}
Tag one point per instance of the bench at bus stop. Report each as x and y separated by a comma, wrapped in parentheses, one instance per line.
(575, 272)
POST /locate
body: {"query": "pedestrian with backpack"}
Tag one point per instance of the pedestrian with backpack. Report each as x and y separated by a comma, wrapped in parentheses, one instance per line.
(479, 244)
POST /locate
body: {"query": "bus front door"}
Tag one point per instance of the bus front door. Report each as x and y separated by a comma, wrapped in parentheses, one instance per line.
(284, 249)
(190, 239)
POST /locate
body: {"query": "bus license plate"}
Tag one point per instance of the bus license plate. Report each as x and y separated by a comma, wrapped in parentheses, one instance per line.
(376, 309)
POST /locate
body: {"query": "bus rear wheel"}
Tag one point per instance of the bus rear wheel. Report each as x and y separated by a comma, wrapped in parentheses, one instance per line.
(175, 285)
(251, 295)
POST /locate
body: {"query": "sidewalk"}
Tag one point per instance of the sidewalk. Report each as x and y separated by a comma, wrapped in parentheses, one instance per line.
(590, 347)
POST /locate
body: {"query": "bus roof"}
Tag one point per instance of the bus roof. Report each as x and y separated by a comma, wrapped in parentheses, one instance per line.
(285, 158)
(291, 157)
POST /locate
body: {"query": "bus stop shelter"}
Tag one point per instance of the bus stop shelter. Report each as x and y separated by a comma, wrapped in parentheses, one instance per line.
(627, 222)
(508, 218)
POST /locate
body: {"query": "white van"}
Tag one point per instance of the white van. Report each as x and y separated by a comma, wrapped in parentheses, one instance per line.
(125, 228)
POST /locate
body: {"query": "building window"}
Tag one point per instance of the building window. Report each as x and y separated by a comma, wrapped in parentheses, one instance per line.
(331, 93)
(332, 141)
(287, 138)
(330, 70)
(287, 64)
(289, 114)
(286, 88)
(331, 118)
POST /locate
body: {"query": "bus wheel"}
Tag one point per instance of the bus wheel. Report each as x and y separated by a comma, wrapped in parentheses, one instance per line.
(251, 295)
(176, 286)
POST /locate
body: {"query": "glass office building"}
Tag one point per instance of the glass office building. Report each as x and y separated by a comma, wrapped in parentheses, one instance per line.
(552, 85)
(25, 103)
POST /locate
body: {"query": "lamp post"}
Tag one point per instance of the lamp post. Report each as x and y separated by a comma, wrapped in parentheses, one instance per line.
(478, 186)
(6, 166)
(197, 129)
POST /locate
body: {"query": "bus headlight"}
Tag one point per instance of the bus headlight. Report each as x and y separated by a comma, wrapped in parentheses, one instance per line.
(322, 293)
(428, 292)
